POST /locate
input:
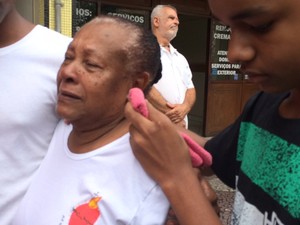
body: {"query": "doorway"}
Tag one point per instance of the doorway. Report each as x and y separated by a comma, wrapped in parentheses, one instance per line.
(192, 42)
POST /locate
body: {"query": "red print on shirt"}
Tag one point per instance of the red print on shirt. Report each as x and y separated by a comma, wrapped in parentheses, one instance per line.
(86, 214)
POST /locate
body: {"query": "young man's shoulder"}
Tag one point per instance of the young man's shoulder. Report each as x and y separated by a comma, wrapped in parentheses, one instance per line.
(49, 34)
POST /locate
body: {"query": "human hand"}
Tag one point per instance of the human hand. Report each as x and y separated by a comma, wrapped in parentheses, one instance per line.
(164, 155)
(209, 193)
(171, 218)
(157, 144)
(182, 124)
(199, 155)
(177, 112)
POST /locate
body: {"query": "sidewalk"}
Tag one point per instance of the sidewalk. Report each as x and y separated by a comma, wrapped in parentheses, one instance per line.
(225, 198)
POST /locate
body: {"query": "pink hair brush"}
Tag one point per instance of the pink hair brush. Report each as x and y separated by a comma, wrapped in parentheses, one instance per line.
(199, 156)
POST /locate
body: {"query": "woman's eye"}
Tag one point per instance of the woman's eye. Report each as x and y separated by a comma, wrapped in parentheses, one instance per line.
(91, 64)
(68, 58)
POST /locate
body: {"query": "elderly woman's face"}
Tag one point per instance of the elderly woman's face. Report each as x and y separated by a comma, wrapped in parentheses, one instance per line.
(92, 83)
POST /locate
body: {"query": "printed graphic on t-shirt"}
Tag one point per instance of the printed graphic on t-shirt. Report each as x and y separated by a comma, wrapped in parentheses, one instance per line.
(272, 164)
(87, 213)
(246, 213)
(270, 169)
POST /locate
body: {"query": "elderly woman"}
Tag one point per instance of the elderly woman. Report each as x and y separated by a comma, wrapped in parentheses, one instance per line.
(90, 175)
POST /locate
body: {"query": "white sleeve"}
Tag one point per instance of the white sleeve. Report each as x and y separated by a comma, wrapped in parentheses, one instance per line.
(153, 210)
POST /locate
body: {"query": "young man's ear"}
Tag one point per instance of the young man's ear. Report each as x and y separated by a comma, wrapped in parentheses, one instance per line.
(142, 80)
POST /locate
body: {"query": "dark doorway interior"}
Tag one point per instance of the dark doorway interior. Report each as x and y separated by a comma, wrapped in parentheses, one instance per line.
(191, 41)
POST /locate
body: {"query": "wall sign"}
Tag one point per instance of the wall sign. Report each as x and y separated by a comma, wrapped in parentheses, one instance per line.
(220, 68)
(138, 16)
(83, 12)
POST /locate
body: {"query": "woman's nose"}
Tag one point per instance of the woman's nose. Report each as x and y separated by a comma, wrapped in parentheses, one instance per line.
(69, 72)
(240, 48)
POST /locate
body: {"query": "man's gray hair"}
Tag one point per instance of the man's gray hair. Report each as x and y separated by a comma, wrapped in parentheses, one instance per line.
(156, 11)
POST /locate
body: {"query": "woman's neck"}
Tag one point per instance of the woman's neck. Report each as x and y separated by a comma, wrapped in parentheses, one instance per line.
(82, 141)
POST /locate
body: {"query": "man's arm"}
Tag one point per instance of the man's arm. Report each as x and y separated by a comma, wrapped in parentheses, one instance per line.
(190, 98)
(157, 100)
(179, 111)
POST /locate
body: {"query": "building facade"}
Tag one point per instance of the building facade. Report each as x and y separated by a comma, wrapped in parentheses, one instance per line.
(221, 90)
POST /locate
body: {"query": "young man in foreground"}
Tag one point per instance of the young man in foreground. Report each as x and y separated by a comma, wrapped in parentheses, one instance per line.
(259, 154)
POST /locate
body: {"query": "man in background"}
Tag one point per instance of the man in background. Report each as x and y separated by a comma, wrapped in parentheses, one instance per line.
(174, 94)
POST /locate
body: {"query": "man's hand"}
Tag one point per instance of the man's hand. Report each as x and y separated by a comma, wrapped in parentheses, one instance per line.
(177, 112)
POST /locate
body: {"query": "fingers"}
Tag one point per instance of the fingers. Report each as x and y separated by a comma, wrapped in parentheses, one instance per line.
(146, 126)
(171, 218)
(199, 154)
(135, 117)
(171, 106)
(173, 117)
(176, 115)
(210, 194)
(182, 123)
(209, 191)
(177, 120)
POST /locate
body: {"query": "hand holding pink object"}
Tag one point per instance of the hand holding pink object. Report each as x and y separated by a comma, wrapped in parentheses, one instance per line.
(199, 156)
